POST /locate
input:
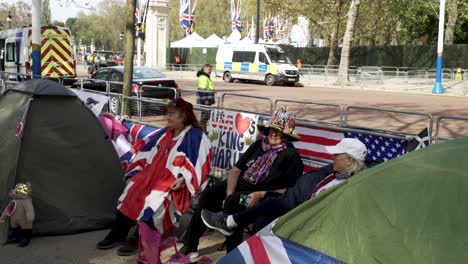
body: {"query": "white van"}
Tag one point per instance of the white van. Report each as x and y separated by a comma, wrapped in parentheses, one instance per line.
(260, 62)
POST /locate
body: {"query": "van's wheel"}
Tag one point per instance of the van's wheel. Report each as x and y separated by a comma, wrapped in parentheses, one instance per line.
(227, 77)
(270, 80)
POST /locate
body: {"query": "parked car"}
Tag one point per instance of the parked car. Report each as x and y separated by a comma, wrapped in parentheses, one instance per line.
(102, 59)
(146, 81)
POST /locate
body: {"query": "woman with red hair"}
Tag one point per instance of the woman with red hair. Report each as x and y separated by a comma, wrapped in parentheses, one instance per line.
(172, 166)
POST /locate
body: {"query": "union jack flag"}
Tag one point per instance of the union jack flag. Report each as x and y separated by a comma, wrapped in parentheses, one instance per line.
(272, 27)
(186, 17)
(266, 30)
(141, 11)
(274, 249)
(159, 162)
(138, 137)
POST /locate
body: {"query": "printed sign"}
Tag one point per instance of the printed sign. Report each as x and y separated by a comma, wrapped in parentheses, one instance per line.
(95, 102)
(230, 133)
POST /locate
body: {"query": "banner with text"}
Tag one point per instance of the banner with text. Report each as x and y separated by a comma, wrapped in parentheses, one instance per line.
(230, 133)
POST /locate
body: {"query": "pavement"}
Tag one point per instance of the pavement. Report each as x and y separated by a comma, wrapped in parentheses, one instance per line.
(392, 94)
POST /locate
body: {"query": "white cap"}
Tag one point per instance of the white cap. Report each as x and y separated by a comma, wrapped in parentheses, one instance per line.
(351, 146)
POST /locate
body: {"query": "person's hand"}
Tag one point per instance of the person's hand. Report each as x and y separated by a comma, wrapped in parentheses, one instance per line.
(227, 195)
(177, 184)
(254, 198)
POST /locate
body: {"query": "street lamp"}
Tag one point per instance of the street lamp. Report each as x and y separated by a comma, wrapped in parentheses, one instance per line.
(121, 40)
(9, 19)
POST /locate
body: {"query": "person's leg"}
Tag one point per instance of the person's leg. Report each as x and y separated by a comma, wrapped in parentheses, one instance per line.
(227, 224)
(210, 199)
(131, 245)
(118, 233)
(271, 208)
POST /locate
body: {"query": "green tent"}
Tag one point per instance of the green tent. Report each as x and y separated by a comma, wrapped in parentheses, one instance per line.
(49, 138)
(413, 209)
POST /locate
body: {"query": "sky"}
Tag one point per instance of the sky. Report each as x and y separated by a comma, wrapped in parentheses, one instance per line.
(61, 13)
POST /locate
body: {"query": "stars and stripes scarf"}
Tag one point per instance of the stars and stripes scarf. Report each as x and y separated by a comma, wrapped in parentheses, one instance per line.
(260, 168)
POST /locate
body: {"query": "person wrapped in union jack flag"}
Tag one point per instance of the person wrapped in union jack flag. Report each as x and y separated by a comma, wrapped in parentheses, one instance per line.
(172, 167)
(349, 158)
(270, 164)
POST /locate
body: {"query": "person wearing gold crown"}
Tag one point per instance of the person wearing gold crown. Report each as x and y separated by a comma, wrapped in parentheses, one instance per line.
(21, 213)
(270, 164)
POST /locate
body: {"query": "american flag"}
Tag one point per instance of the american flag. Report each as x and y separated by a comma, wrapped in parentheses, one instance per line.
(313, 142)
(274, 249)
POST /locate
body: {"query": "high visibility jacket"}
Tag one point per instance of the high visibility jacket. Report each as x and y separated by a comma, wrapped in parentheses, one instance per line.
(205, 83)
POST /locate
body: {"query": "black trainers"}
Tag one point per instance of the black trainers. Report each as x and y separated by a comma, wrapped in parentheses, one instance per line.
(128, 249)
(26, 234)
(189, 252)
(110, 242)
(216, 221)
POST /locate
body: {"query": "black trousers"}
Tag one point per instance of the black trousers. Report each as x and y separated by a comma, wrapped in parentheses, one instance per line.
(212, 199)
(121, 226)
(262, 213)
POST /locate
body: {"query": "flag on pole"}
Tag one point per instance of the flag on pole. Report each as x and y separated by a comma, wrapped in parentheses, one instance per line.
(185, 17)
(192, 24)
(233, 14)
(266, 29)
(141, 12)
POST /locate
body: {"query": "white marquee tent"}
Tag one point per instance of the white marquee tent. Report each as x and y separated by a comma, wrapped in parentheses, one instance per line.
(188, 42)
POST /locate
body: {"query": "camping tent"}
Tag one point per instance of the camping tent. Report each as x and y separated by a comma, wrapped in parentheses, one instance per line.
(188, 42)
(51, 139)
(411, 209)
(212, 41)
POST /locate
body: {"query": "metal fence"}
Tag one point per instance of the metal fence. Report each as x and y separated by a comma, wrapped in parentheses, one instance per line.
(319, 112)
(387, 120)
(370, 119)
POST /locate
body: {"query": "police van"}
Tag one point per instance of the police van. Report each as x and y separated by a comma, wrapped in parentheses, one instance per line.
(57, 58)
(259, 62)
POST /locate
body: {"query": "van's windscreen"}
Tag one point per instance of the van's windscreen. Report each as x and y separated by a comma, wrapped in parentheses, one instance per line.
(278, 57)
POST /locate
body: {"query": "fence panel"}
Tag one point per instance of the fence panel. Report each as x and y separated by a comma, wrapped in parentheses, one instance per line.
(247, 103)
(450, 127)
(313, 111)
(388, 120)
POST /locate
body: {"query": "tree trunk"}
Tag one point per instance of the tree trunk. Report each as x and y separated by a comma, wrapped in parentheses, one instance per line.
(452, 21)
(336, 31)
(348, 36)
(129, 48)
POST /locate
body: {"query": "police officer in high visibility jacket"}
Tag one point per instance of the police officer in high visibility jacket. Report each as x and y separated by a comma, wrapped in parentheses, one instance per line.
(205, 86)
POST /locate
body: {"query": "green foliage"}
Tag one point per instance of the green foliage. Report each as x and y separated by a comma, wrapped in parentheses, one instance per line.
(379, 22)
(45, 13)
(20, 12)
(101, 27)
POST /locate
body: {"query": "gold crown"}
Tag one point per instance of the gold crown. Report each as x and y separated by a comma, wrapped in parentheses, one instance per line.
(23, 188)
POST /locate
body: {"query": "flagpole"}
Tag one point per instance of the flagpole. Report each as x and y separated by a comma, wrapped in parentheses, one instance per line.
(139, 51)
(438, 88)
(257, 32)
(36, 38)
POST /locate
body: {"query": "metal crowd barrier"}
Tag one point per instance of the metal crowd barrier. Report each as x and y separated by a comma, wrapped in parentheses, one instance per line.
(427, 116)
(437, 136)
(269, 101)
(304, 106)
